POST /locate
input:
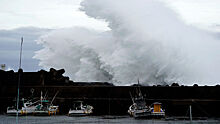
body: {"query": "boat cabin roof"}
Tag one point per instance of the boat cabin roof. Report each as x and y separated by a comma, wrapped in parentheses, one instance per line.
(157, 103)
(45, 100)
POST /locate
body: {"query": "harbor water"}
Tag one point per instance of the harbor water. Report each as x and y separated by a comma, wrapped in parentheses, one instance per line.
(62, 119)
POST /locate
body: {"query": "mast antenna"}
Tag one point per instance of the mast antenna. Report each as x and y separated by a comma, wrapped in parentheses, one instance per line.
(19, 79)
(20, 53)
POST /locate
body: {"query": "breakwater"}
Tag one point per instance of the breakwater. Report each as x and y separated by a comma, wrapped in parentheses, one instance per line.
(107, 98)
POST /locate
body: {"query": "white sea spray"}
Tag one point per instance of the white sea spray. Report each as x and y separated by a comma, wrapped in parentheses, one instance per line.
(146, 41)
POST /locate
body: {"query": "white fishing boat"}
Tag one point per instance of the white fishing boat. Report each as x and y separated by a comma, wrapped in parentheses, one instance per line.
(78, 109)
(40, 107)
(13, 111)
(35, 107)
(28, 108)
(139, 109)
(44, 108)
(25, 108)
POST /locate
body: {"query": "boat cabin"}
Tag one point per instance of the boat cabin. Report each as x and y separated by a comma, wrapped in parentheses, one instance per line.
(157, 107)
(77, 105)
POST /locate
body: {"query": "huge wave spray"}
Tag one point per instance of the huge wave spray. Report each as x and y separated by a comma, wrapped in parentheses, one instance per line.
(146, 41)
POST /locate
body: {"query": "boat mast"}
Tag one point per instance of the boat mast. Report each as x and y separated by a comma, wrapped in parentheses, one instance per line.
(20, 53)
(19, 79)
(139, 89)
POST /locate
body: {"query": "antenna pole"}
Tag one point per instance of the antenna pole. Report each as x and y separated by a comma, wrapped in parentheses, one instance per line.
(20, 53)
(19, 79)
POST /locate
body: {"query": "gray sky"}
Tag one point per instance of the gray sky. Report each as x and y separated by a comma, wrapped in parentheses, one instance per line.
(31, 19)
(44, 14)
(65, 13)
(10, 46)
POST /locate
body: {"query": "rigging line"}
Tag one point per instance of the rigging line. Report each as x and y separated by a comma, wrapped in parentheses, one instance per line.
(54, 97)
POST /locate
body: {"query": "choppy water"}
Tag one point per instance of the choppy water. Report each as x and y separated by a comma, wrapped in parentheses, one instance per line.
(4, 119)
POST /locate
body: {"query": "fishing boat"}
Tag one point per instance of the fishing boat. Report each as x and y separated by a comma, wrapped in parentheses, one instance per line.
(13, 111)
(78, 109)
(34, 107)
(24, 108)
(39, 107)
(45, 107)
(139, 109)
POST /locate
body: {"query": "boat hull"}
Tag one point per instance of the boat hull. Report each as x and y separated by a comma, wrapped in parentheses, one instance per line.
(149, 116)
(41, 113)
(14, 112)
(141, 114)
(146, 114)
(79, 113)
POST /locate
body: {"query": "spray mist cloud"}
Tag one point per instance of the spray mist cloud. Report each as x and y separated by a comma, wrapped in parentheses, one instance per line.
(146, 41)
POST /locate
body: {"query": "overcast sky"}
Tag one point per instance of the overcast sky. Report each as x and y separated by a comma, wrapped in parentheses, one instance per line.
(33, 18)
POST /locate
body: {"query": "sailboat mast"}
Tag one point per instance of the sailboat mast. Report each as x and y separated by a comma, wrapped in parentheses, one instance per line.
(19, 78)
(20, 53)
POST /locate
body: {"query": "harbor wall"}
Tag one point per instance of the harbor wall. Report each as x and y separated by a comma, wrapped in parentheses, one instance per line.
(107, 98)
